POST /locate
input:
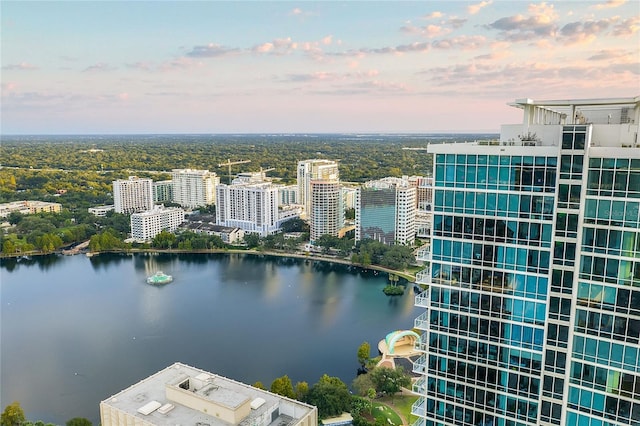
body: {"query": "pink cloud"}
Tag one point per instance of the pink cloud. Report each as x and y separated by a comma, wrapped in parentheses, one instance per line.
(475, 8)
(609, 4)
(99, 67)
(22, 66)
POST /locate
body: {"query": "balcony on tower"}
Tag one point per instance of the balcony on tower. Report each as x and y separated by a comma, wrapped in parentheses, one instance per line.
(422, 322)
(424, 254)
(424, 276)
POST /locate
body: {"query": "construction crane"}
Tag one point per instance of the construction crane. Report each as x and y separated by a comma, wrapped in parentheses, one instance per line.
(230, 163)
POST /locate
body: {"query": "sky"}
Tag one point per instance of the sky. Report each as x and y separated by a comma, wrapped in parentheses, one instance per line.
(113, 67)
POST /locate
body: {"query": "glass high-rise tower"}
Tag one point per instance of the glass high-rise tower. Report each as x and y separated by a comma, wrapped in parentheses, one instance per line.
(533, 306)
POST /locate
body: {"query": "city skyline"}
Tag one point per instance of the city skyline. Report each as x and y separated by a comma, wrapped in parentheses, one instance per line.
(316, 67)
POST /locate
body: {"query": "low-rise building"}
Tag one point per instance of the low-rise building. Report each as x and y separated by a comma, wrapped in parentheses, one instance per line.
(184, 395)
(146, 225)
(101, 211)
(228, 234)
(29, 207)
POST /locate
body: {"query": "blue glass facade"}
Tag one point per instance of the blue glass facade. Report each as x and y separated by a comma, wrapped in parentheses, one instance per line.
(533, 300)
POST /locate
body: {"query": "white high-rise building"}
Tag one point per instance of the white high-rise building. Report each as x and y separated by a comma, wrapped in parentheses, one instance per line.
(184, 395)
(194, 188)
(309, 170)
(386, 211)
(132, 195)
(146, 225)
(327, 210)
(533, 300)
(253, 207)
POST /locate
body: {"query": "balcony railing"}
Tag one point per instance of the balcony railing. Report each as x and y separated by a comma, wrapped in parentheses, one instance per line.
(420, 365)
(424, 276)
(422, 322)
(419, 422)
(424, 254)
(422, 299)
(422, 345)
(419, 408)
(420, 386)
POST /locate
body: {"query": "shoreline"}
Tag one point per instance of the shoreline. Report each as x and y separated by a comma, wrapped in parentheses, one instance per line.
(319, 257)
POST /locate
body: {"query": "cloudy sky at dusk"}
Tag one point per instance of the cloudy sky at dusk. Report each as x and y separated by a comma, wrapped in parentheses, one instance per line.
(277, 67)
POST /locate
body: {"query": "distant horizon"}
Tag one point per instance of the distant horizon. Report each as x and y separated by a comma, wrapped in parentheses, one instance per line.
(257, 133)
(272, 67)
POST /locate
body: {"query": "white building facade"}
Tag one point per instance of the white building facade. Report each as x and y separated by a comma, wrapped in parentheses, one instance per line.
(132, 195)
(327, 210)
(309, 170)
(253, 207)
(194, 188)
(146, 225)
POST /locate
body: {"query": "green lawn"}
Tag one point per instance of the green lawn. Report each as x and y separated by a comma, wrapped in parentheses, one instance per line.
(403, 404)
(384, 412)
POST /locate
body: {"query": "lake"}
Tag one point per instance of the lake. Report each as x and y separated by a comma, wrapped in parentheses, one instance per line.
(75, 330)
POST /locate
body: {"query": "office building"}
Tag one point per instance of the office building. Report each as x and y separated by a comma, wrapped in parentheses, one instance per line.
(327, 211)
(533, 306)
(310, 170)
(146, 225)
(253, 207)
(184, 395)
(424, 191)
(349, 194)
(163, 191)
(194, 188)
(132, 195)
(386, 211)
(29, 207)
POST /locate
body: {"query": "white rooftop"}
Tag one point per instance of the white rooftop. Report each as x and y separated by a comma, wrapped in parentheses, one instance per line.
(147, 400)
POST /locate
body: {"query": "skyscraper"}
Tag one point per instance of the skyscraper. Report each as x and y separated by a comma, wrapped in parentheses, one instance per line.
(327, 211)
(194, 188)
(533, 305)
(132, 195)
(386, 211)
(309, 170)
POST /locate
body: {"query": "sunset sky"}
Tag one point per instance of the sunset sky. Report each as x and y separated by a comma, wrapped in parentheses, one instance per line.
(86, 67)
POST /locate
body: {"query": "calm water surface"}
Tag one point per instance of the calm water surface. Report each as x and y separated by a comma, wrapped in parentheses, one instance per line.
(76, 330)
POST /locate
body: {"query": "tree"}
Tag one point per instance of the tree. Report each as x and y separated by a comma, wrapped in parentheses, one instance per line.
(8, 247)
(302, 390)
(389, 380)
(14, 218)
(164, 240)
(283, 386)
(362, 383)
(371, 394)
(330, 395)
(259, 385)
(252, 240)
(79, 421)
(295, 225)
(12, 415)
(364, 353)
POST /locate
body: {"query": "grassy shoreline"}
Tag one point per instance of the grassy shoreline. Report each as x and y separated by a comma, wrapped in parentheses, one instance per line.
(311, 256)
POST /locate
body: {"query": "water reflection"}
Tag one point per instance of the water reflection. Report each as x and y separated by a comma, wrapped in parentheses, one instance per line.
(99, 318)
